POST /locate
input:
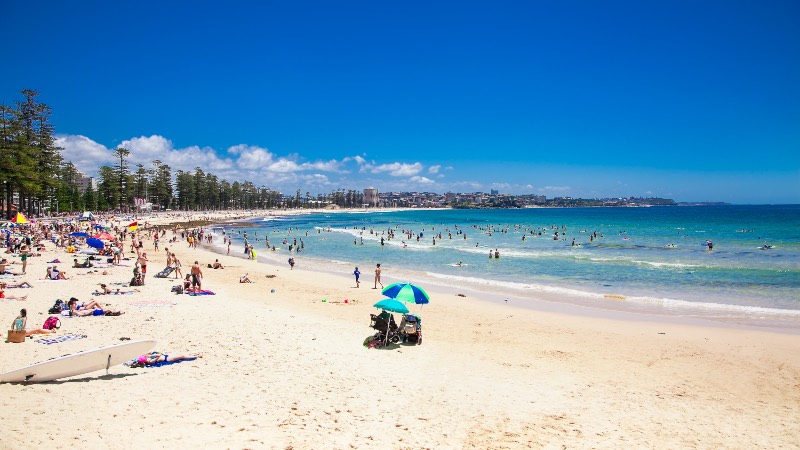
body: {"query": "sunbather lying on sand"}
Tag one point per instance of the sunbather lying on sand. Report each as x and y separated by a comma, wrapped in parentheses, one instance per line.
(10, 297)
(244, 279)
(158, 357)
(6, 285)
(104, 290)
(88, 309)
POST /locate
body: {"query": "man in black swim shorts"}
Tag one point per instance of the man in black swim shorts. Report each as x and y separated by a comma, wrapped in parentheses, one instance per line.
(197, 276)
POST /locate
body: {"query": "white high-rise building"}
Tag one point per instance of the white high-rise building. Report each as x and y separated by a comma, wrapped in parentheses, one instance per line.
(84, 182)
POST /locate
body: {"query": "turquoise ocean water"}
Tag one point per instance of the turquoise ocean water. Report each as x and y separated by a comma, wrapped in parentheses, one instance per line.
(653, 260)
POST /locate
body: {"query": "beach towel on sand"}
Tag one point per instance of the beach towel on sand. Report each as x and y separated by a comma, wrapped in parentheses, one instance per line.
(164, 273)
(203, 292)
(57, 339)
(150, 303)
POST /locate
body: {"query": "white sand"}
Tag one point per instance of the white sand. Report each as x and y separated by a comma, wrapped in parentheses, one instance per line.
(285, 370)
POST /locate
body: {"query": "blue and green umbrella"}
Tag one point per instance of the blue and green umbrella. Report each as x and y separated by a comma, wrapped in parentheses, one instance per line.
(406, 292)
(392, 305)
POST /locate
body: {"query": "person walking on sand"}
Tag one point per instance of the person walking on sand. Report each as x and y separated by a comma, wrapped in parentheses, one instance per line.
(23, 256)
(176, 263)
(357, 273)
(197, 276)
(378, 276)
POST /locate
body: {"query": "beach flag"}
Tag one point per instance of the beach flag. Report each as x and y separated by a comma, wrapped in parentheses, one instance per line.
(133, 226)
(20, 218)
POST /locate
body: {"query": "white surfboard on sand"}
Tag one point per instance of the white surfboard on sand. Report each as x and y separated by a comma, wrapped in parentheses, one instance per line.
(78, 363)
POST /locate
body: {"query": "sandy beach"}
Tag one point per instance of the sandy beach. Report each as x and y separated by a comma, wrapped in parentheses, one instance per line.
(284, 369)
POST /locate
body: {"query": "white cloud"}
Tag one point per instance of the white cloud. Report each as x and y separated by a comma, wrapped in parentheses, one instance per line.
(466, 186)
(358, 159)
(554, 188)
(326, 166)
(501, 186)
(242, 162)
(395, 169)
(86, 154)
(421, 180)
(251, 158)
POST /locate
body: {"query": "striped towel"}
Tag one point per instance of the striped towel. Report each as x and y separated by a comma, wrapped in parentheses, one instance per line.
(57, 339)
(151, 303)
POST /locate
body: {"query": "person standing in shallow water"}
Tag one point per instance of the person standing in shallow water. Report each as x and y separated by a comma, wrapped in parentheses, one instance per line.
(378, 276)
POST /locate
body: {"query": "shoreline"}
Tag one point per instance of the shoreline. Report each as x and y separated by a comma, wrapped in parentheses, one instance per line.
(551, 303)
(575, 300)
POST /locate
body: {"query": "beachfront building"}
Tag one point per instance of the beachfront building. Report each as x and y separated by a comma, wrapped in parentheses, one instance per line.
(371, 197)
(84, 182)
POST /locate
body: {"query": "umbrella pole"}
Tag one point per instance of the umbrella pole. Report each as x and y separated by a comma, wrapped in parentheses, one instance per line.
(388, 323)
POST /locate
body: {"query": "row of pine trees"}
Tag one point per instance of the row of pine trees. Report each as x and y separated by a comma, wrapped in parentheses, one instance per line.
(36, 178)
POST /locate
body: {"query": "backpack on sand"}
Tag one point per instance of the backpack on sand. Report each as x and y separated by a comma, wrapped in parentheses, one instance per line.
(58, 306)
(51, 322)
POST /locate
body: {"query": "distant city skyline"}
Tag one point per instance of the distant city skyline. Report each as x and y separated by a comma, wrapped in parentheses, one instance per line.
(689, 101)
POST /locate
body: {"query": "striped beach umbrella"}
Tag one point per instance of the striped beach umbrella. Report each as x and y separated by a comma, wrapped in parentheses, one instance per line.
(406, 292)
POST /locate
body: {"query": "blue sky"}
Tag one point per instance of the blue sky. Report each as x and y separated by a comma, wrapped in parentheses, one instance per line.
(696, 101)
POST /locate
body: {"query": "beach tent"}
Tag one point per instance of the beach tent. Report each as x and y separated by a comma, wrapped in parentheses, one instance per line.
(87, 215)
(20, 218)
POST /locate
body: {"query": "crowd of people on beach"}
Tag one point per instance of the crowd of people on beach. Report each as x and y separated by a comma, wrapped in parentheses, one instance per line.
(70, 236)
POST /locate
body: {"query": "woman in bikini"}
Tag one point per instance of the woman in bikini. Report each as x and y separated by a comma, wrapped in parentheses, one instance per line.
(158, 357)
(88, 309)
